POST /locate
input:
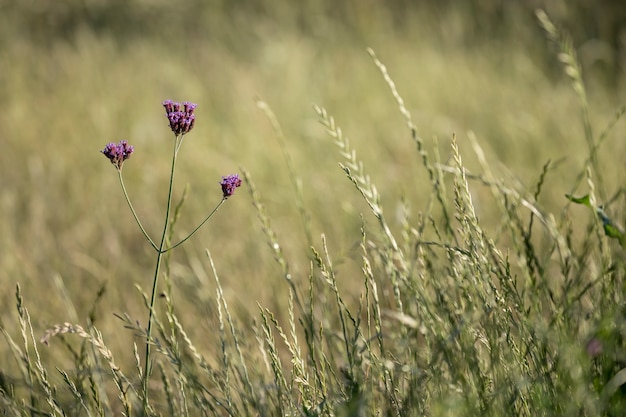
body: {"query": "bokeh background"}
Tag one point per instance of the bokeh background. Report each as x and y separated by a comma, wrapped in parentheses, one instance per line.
(75, 75)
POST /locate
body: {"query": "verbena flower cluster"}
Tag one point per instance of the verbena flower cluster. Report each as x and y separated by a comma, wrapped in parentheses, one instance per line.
(118, 152)
(181, 117)
(182, 120)
(229, 184)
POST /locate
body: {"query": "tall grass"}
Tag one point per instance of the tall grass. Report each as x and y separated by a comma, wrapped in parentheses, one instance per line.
(480, 301)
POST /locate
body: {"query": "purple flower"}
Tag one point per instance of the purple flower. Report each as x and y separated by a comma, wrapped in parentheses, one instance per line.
(229, 184)
(594, 347)
(118, 152)
(181, 117)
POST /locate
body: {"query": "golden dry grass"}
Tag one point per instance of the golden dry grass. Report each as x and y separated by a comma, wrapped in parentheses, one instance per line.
(66, 230)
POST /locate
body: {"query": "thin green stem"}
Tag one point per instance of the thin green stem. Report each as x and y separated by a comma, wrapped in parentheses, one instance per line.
(147, 367)
(154, 246)
(197, 228)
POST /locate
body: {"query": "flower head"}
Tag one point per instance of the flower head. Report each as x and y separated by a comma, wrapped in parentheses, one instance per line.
(229, 184)
(181, 117)
(118, 152)
(594, 347)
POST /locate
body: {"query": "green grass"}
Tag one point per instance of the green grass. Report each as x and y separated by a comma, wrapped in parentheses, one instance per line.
(402, 244)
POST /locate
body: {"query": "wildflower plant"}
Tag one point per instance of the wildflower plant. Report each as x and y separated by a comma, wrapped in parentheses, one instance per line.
(229, 184)
(118, 153)
(181, 120)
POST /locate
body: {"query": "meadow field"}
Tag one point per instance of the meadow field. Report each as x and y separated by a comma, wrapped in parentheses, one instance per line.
(429, 220)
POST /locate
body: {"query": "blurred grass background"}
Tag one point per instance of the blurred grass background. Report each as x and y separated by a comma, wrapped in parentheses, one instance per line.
(76, 75)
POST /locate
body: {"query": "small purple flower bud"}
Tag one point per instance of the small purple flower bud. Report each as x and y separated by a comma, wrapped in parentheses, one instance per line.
(169, 106)
(229, 184)
(189, 107)
(181, 121)
(594, 347)
(118, 152)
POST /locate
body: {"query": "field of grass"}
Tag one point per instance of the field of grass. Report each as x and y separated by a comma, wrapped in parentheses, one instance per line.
(401, 245)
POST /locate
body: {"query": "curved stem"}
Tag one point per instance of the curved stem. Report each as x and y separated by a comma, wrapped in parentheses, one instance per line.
(197, 228)
(130, 205)
(147, 367)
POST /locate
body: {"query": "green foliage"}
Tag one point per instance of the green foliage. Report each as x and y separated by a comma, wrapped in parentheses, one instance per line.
(418, 278)
(610, 228)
